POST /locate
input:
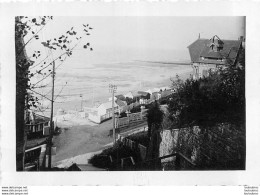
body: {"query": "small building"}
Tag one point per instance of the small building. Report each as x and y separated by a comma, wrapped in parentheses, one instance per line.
(144, 95)
(164, 88)
(110, 98)
(36, 124)
(103, 111)
(156, 96)
(106, 108)
(120, 97)
(122, 106)
(210, 54)
(151, 91)
(133, 95)
(166, 93)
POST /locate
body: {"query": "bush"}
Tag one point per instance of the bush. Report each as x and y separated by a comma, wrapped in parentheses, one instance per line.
(117, 152)
(141, 138)
(136, 109)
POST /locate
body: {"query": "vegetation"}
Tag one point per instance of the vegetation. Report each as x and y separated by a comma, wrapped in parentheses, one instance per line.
(154, 120)
(115, 153)
(141, 138)
(216, 105)
(210, 100)
(32, 70)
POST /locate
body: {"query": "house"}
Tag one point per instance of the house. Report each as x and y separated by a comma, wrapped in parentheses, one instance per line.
(110, 98)
(213, 53)
(151, 91)
(166, 93)
(144, 95)
(103, 112)
(122, 106)
(37, 124)
(133, 95)
(164, 88)
(120, 97)
(117, 97)
(156, 96)
(106, 108)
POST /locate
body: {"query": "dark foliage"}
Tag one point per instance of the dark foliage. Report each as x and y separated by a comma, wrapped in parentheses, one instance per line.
(209, 100)
(117, 152)
(136, 109)
(154, 117)
(141, 138)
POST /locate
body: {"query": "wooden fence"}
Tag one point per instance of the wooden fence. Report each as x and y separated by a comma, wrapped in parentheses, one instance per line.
(142, 150)
(131, 118)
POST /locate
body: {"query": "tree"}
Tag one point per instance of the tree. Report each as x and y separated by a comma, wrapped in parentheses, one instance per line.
(154, 119)
(217, 105)
(220, 97)
(27, 30)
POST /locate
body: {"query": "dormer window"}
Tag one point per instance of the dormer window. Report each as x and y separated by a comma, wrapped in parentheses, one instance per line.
(216, 44)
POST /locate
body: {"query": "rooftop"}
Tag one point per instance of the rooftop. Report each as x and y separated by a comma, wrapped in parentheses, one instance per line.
(202, 50)
(108, 105)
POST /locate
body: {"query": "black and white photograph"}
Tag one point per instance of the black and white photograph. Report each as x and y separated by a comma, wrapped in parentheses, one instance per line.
(130, 93)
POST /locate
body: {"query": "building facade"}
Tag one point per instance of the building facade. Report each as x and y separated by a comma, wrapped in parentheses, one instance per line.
(210, 54)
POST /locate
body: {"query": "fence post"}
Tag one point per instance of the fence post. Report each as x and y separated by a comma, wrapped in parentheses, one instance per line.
(116, 120)
(142, 112)
(128, 117)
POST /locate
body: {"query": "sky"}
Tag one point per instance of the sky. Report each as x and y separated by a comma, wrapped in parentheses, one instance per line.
(143, 38)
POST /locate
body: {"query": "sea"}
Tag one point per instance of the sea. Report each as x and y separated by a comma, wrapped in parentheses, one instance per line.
(80, 87)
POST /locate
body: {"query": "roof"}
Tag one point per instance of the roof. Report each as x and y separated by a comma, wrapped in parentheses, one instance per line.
(39, 118)
(165, 88)
(166, 93)
(108, 105)
(153, 90)
(201, 48)
(136, 94)
(144, 93)
(121, 103)
(133, 93)
(121, 97)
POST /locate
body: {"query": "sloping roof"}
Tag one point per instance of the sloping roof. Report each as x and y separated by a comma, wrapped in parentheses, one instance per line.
(120, 97)
(108, 105)
(151, 91)
(120, 103)
(201, 48)
(166, 93)
(144, 93)
(165, 88)
(133, 93)
(136, 94)
(39, 118)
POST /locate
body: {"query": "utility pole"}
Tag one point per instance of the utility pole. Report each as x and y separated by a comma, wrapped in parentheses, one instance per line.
(81, 102)
(51, 122)
(112, 89)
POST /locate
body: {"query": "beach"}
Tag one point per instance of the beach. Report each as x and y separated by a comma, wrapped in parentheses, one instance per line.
(90, 84)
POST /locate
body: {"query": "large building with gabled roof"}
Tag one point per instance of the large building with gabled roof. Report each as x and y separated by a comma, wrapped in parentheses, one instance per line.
(211, 53)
